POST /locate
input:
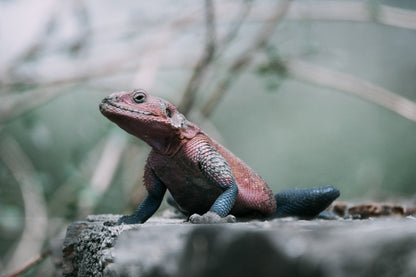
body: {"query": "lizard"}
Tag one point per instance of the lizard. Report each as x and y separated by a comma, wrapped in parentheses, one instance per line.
(205, 179)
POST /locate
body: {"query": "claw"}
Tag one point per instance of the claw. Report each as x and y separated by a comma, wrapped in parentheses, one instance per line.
(211, 218)
(127, 219)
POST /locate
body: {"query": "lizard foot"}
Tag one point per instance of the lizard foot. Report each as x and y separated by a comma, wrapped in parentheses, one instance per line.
(127, 219)
(211, 218)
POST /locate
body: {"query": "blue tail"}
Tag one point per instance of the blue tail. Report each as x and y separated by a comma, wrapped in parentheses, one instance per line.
(305, 203)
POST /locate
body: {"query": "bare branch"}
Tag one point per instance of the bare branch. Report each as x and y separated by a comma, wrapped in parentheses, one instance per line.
(353, 11)
(351, 84)
(36, 218)
(233, 32)
(80, 12)
(33, 49)
(200, 69)
(34, 261)
(244, 59)
(104, 171)
(16, 104)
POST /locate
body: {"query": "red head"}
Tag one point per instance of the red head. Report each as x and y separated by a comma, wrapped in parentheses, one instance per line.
(151, 119)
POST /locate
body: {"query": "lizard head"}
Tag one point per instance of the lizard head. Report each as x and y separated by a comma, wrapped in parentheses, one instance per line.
(149, 118)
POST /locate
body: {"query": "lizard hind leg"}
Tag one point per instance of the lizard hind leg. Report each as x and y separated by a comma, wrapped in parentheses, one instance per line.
(304, 203)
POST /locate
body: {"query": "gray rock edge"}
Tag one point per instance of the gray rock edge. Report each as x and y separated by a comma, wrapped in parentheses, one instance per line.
(280, 247)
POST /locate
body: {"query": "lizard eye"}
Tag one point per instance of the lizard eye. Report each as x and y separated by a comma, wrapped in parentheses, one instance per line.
(139, 97)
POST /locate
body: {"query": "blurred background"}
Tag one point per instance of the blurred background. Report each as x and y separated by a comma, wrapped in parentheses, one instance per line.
(306, 92)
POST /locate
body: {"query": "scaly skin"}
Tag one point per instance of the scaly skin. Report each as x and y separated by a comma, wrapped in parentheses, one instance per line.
(205, 179)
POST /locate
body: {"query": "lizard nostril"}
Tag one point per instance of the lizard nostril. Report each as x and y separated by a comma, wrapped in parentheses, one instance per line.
(111, 98)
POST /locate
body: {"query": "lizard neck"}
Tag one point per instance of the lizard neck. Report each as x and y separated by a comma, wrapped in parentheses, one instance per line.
(170, 145)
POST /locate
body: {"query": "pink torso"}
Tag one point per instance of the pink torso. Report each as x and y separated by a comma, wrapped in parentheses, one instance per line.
(183, 178)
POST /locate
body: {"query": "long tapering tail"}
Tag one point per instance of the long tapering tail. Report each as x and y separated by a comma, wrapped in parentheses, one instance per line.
(304, 202)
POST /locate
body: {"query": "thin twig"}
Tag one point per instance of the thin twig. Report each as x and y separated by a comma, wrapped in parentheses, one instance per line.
(16, 104)
(353, 11)
(200, 69)
(80, 12)
(213, 50)
(34, 49)
(104, 172)
(244, 59)
(233, 32)
(34, 261)
(36, 219)
(352, 84)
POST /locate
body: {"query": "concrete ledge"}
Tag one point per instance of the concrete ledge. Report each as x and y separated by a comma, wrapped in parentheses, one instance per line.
(282, 247)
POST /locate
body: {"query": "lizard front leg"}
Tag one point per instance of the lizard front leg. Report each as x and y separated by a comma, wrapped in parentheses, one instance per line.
(218, 172)
(156, 190)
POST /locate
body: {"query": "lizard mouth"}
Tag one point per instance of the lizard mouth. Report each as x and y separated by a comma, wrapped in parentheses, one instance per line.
(108, 106)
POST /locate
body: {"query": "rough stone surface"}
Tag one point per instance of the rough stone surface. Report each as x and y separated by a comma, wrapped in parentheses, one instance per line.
(364, 211)
(87, 247)
(281, 247)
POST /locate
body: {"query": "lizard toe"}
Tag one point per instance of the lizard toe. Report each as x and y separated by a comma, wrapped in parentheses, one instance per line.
(127, 219)
(211, 218)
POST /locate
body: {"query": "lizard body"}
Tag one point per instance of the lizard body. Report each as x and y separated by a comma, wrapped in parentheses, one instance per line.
(204, 178)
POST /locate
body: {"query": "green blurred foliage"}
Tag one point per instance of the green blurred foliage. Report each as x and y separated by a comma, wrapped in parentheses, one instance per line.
(295, 134)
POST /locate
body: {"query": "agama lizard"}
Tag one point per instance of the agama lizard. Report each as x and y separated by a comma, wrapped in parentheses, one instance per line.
(205, 179)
